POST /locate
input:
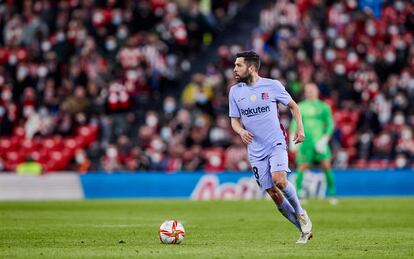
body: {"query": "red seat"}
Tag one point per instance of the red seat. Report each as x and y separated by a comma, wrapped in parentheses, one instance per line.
(51, 144)
(19, 132)
(28, 146)
(6, 145)
(14, 157)
(73, 142)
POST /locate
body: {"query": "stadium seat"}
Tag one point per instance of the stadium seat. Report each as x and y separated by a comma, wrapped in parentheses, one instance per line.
(19, 132)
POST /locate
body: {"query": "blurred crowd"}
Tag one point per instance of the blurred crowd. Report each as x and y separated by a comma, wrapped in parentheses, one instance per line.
(68, 63)
(361, 56)
(116, 65)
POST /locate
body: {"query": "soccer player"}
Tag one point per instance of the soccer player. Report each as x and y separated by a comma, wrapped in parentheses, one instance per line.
(318, 122)
(253, 109)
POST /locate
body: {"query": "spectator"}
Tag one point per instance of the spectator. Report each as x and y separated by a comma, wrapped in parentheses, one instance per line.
(29, 167)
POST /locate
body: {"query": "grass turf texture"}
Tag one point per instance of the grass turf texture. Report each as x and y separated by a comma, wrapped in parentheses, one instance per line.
(215, 229)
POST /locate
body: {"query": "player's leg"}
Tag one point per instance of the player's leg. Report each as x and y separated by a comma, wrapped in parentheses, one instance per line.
(261, 171)
(325, 162)
(330, 180)
(300, 169)
(284, 206)
(304, 159)
(279, 166)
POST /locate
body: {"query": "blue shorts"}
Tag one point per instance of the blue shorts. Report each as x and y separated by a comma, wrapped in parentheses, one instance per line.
(275, 162)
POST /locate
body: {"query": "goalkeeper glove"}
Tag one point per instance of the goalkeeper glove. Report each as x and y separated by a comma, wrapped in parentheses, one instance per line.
(322, 144)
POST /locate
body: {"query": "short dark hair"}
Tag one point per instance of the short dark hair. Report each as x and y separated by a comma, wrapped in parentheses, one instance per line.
(251, 58)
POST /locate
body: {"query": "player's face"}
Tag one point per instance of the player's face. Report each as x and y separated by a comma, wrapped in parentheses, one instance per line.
(241, 70)
(311, 92)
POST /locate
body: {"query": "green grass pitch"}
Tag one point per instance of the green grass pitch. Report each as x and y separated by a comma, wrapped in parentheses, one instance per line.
(355, 228)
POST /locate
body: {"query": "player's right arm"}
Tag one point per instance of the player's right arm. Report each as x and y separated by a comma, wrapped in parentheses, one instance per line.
(246, 136)
(236, 124)
(328, 126)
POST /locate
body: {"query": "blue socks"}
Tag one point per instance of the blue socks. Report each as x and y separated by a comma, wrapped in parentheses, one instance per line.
(292, 197)
(287, 210)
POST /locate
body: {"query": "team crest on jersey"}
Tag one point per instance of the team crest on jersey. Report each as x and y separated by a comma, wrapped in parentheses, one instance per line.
(253, 98)
(265, 96)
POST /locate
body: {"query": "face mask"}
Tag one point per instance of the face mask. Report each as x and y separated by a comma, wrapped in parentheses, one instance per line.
(406, 134)
(344, 18)
(117, 18)
(275, 73)
(60, 37)
(81, 35)
(132, 75)
(12, 60)
(370, 30)
(352, 57)
(201, 98)
(110, 45)
(340, 43)
(112, 152)
(42, 71)
(151, 121)
(365, 138)
(80, 158)
(399, 6)
(399, 120)
(390, 57)
(400, 44)
(200, 122)
(166, 133)
(43, 112)
(27, 111)
(370, 59)
(122, 34)
(46, 46)
(22, 72)
(6, 95)
(302, 55)
(217, 134)
(157, 145)
(169, 107)
(401, 162)
(411, 83)
(331, 32)
(156, 157)
(330, 55)
(339, 69)
(393, 30)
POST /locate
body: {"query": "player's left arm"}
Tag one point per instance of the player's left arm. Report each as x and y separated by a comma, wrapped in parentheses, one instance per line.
(322, 144)
(299, 135)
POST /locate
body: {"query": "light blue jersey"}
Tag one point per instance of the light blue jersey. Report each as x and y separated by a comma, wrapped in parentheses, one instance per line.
(256, 105)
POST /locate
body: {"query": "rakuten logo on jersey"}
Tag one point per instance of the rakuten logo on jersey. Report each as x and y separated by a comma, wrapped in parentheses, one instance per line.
(209, 188)
(249, 112)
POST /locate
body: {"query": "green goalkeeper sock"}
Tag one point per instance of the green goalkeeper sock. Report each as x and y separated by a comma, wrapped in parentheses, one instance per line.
(330, 180)
(299, 181)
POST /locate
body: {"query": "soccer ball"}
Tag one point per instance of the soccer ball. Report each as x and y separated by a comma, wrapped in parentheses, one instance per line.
(171, 232)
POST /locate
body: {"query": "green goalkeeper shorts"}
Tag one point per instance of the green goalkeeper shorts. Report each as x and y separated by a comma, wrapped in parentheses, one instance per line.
(307, 154)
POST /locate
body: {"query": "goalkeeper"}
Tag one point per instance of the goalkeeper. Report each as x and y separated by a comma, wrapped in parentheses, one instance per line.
(318, 124)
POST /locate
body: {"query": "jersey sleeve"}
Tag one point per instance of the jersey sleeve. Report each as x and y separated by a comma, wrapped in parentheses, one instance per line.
(280, 93)
(234, 111)
(328, 118)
